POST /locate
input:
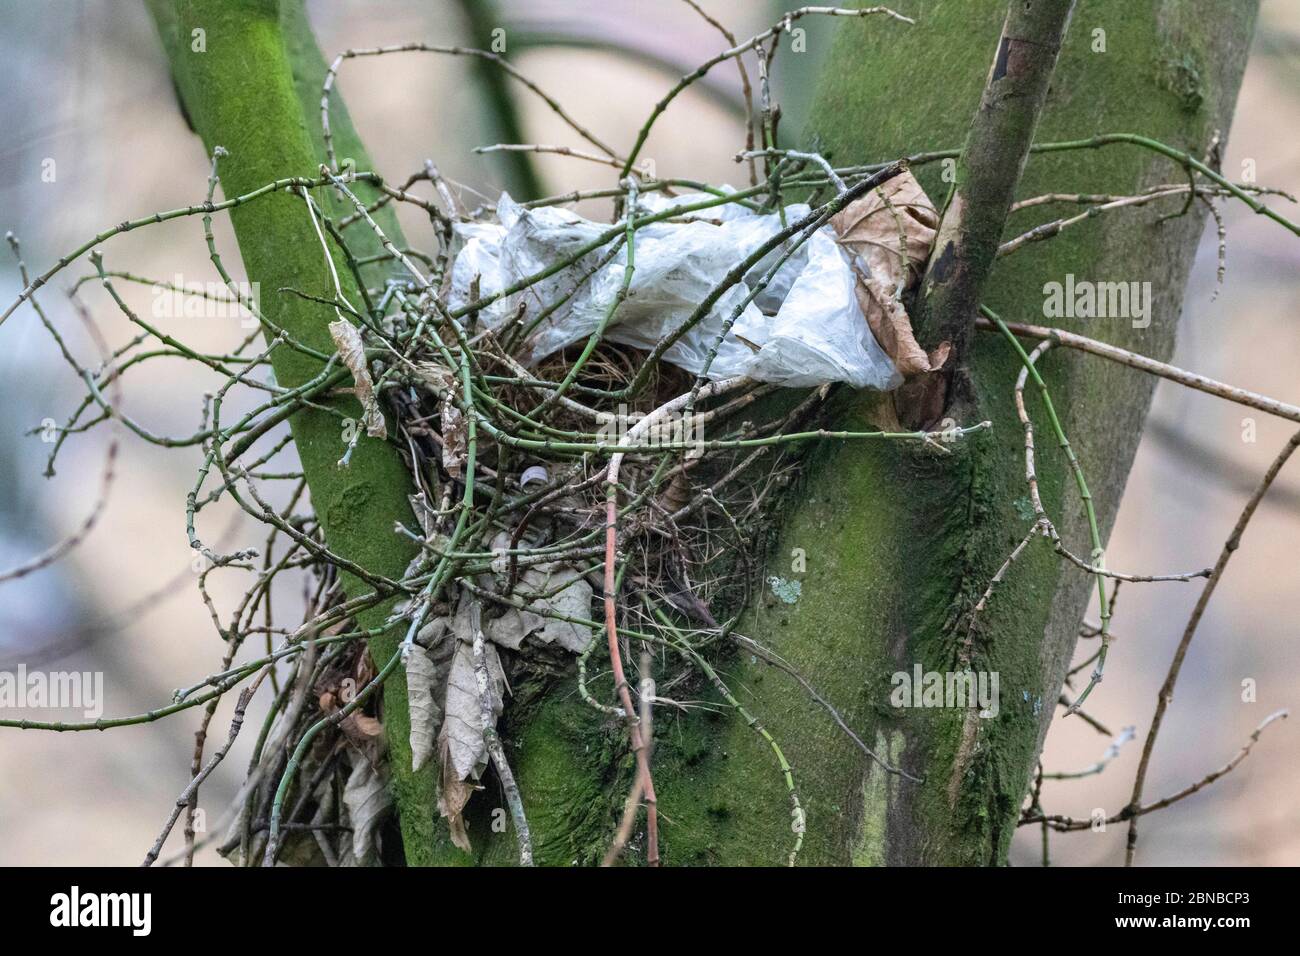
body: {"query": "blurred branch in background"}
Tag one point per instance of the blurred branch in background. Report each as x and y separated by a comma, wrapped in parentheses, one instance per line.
(1212, 464)
(488, 31)
(639, 47)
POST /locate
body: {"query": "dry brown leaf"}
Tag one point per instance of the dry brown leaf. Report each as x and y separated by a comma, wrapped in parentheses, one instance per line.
(367, 798)
(365, 725)
(454, 431)
(939, 354)
(363, 670)
(891, 325)
(335, 689)
(880, 224)
(453, 794)
(889, 232)
(347, 340)
(462, 749)
(364, 733)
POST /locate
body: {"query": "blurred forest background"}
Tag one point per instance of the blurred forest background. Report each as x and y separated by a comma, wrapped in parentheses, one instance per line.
(86, 85)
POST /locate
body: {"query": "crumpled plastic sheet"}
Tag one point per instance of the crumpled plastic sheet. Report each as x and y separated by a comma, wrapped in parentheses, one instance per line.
(804, 329)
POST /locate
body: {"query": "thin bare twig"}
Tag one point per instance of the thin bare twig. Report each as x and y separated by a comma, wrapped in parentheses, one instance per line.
(1166, 694)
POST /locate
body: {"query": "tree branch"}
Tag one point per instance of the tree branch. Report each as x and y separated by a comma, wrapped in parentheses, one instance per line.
(238, 87)
(987, 175)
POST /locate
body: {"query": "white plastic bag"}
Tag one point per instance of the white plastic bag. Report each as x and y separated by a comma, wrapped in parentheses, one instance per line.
(804, 329)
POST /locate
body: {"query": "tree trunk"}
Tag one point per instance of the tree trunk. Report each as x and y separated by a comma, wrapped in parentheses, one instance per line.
(250, 82)
(899, 542)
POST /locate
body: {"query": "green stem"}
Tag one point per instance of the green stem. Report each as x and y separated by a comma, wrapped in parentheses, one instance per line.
(1081, 483)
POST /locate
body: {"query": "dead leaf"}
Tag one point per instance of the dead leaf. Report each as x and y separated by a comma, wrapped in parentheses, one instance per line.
(427, 667)
(678, 493)
(420, 678)
(510, 629)
(889, 233)
(572, 600)
(939, 354)
(453, 795)
(462, 749)
(891, 325)
(461, 737)
(452, 427)
(347, 340)
(363, 671)
(891, 229)
(367, 799)
(366, 735)
(366, 726)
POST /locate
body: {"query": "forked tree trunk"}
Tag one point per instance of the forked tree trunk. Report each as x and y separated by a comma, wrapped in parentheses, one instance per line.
(899, 542)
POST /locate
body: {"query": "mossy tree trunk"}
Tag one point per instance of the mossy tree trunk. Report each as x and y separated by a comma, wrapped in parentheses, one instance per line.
(899, 542)
(249, 76)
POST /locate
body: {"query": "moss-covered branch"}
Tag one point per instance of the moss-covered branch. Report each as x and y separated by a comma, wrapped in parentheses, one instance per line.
(900, 545)
(247, 85)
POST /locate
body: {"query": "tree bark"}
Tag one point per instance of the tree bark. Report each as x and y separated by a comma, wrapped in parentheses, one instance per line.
(987, 175)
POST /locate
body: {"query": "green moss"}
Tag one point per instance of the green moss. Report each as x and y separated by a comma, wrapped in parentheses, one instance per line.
(1028, 632)
(239, 93)
(1178, 73)
(900, 542)
(568, 753)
